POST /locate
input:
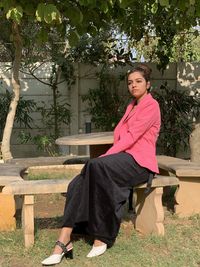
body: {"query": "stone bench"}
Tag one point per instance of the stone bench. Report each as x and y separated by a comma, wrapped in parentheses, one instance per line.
(14, 172)
(188, 193)
(149, 208)
(28, 189)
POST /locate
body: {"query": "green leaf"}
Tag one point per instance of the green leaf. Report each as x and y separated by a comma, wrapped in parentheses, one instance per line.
(48, 13)
(74, 14)
(104, 6)
(183, 5)
(111, 2)
(164, 2)
(95, 18)
(51, 14)
(15, 13)
(192, 2)
(40, 12)
(125, 3)
(73, 38)
(154, 8)
(83, 2)
(92, 30)
(92, 3)
(88, 3)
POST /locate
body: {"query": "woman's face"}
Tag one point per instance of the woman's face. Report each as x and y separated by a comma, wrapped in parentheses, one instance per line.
(137, 85)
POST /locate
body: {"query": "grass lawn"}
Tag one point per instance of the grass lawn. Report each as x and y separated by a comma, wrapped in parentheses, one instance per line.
(180, 247)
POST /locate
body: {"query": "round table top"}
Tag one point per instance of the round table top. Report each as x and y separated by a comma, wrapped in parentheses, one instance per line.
(98, 138)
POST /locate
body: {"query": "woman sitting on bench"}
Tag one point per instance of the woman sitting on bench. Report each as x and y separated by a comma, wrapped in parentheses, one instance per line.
(97, 195)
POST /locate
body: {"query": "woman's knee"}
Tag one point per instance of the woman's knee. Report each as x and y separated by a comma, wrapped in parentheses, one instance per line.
(95, 163)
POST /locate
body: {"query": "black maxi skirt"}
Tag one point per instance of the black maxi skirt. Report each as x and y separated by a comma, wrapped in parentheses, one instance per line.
(96, 196)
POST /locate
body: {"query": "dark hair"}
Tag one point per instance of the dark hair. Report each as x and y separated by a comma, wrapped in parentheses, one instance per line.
(143, 69)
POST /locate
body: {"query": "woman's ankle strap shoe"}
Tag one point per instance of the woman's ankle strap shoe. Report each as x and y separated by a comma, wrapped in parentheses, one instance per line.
(53, 259)
(63, 246)
(57, 258)
(97, 251)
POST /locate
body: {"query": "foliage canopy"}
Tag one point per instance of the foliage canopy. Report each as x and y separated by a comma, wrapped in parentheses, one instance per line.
(137, 19)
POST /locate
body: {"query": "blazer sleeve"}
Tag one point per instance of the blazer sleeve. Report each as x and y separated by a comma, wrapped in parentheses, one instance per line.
(137, 127)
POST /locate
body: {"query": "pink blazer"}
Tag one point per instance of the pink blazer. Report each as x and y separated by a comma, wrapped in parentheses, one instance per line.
(137, 132)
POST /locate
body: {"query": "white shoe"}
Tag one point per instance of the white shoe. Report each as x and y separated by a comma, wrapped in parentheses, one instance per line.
(53, 259)
(97, 250)
(57, 258)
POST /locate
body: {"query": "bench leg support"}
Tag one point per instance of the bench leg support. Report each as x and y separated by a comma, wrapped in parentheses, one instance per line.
(7, 213)
(149, 210)
(188, 197)
(28, 220)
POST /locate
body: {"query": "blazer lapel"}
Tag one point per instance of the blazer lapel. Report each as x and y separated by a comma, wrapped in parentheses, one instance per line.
(130, 113)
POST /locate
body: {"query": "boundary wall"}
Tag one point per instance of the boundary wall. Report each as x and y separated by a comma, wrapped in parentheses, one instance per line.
(179, 75)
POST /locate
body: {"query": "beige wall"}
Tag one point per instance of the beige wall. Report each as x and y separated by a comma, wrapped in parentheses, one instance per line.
(181, 75)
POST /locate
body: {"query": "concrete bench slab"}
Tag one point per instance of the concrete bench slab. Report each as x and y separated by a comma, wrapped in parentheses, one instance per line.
(35, 187)
(187, 196)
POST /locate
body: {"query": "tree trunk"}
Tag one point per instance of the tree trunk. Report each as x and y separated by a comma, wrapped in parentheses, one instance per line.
(195, 144)
(55, 107)
(54, 87)
(17, 40)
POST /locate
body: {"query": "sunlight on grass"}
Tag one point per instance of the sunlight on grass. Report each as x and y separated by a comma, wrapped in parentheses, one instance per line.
(179, 247)
(69, 174)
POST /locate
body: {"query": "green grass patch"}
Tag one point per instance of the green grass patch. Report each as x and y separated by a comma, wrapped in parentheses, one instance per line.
(179, 247)
(53, 174)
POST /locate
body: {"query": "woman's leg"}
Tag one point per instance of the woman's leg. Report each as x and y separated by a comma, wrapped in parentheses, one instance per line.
(63, 245)
(98, 194)
(110, 180)
(64, 237)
